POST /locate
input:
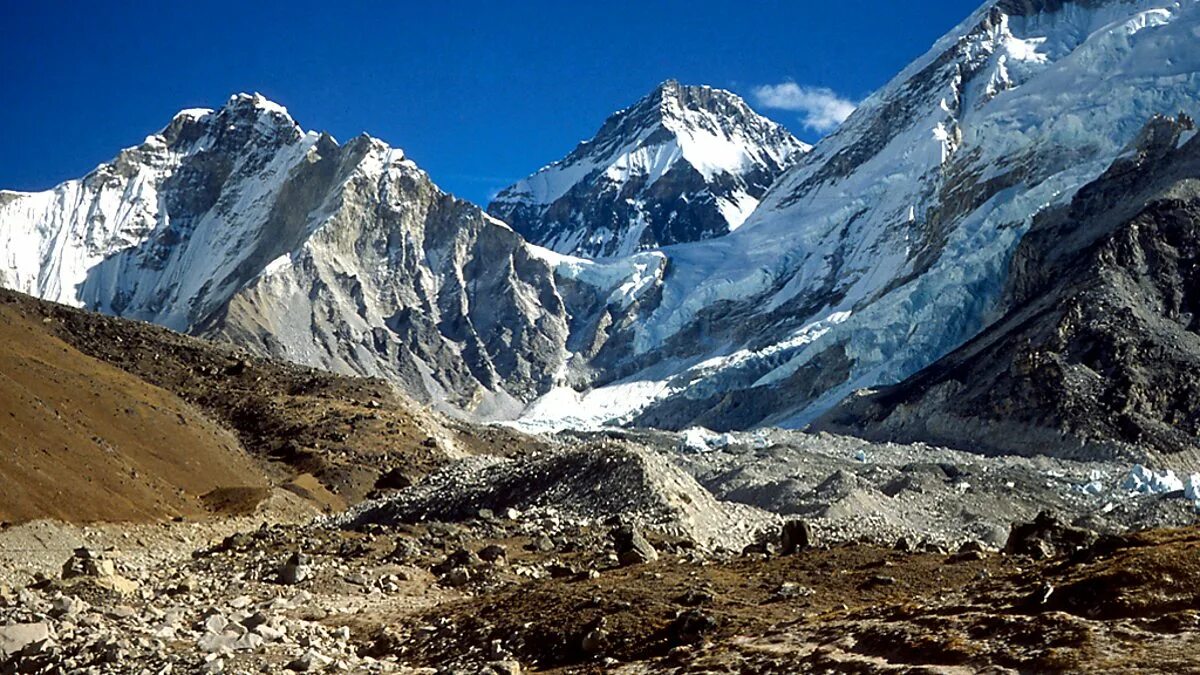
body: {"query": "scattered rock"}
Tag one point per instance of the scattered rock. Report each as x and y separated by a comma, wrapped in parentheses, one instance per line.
(797, 536)
(296, 570)
(632, 547)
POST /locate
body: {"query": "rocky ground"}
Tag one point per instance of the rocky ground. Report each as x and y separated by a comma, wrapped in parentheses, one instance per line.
(636, 553)
(357, 532)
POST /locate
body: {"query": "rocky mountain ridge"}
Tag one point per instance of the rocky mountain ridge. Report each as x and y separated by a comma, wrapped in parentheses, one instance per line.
(236, 223)
(1098, 346)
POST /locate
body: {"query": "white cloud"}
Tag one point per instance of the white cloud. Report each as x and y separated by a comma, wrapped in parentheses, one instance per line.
(823, 110)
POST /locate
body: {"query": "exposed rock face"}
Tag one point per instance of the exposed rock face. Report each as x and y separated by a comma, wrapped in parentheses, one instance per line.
(405, 282)
(1100, 345)
(236, 223)
(683, 164)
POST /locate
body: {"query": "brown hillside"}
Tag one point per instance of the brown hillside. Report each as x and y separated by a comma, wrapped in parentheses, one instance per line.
(82, 440)
(329, 438)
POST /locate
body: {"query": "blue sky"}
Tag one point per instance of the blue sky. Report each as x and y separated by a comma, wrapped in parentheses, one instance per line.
(478, 93)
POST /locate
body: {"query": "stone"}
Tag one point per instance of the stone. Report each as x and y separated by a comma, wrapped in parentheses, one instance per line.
(459, 576)
(493, 553)
(216, 644)
(972, 547)
(357, 578)
(271, 633)
(393, 479)
(632, 547)
(695, 597)
(85, 562)
(505, 667)
(463, 558)
(789, 590)
(255, 620)
(21, 637)
(215, 624)
(691, 626)
(309, 661)
(405, 549)
(122, 612)
(797, 536)
(1046, 537)
(594, 640)
(66, 605)
(296, 570)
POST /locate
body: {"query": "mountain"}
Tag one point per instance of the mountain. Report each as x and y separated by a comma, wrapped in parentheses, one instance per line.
(236, 223)
(889, 244)
(683, 164)
(885, 248)
(1100, 343)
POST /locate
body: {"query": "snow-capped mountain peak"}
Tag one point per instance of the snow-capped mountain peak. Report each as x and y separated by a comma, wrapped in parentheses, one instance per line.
(237, 223)
(684, 163)
(877, 252)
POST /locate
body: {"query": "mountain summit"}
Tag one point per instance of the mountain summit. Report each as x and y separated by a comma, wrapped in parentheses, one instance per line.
(684, 163)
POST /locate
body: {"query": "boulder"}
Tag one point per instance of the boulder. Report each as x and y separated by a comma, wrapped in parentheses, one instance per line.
(797, 536)
(1046, 536)
(20, 637)
(632, 547)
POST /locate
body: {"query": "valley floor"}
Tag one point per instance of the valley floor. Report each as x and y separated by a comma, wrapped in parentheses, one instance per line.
(493, 594)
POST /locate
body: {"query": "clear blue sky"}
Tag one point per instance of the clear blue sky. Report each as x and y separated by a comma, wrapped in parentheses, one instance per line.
(478, 93)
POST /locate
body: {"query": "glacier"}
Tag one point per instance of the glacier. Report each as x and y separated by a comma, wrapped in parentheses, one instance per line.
(903, 221)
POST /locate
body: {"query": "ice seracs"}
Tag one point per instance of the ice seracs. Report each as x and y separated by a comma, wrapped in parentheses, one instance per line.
(904, 220)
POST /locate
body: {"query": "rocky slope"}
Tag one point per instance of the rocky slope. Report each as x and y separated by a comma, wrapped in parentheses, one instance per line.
(683, 164)
(536, 591)
(84, 440)
(1100, 341)
(109, 419)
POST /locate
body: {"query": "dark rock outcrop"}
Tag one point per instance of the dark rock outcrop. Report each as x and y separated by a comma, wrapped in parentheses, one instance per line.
(1099, 349)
